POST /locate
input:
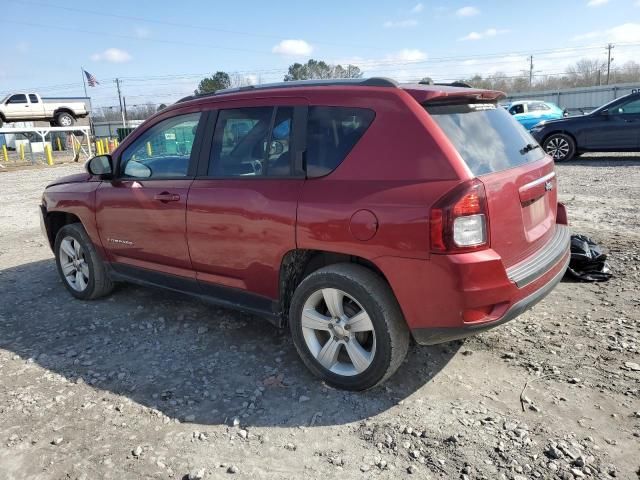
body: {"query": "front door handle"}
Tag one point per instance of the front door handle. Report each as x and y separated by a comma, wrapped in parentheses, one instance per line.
(166, 197)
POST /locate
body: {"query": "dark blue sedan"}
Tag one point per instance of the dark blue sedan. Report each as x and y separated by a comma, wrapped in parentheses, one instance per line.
(614, 127)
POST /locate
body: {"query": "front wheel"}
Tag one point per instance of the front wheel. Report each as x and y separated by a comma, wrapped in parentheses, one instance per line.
(79, 265)
(347, 327)
(560, 146)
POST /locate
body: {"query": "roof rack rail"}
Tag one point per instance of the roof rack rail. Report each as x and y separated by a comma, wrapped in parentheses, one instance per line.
(354, 82)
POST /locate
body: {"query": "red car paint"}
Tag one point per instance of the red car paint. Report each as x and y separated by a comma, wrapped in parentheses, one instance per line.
(235, 232)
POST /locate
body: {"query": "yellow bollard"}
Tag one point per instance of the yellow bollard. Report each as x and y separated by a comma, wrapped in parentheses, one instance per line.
(59, 144)
(149, 150)
(22, 152)
(99, 147)
(47, 152)
(4, 153)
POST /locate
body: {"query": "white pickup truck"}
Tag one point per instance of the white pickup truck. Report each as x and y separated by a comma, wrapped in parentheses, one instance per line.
(28, 107)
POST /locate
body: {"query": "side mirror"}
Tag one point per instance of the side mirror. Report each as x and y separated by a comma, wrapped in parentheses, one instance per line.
(102, 165)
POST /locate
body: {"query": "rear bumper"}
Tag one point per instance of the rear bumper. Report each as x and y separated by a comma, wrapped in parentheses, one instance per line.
(454, 296)
(432, 336)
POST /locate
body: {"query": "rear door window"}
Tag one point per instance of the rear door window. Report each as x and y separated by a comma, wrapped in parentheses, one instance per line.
(331, 134)
(252, 142)
(33, 98)
(487, 138)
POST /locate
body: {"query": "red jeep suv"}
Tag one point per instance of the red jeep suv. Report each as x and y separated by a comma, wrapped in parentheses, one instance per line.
(360, 213)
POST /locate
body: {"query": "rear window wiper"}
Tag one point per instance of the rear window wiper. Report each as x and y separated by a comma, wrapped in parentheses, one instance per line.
(528, 147)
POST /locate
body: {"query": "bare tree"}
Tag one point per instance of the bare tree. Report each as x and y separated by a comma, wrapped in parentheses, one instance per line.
(586, 72)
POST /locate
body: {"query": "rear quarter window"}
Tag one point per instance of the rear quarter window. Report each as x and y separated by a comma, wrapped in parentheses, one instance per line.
(332, 132)
(487, 138)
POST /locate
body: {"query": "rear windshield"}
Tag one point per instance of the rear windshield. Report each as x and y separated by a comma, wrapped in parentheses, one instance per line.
(487, 138)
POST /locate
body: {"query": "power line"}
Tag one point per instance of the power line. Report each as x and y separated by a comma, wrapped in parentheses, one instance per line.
(178, 24)
(132, 37)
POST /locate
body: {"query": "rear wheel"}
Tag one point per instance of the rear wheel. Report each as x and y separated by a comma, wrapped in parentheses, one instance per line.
(79, 265)
(64, 119)
(347, 327)
(560, 146)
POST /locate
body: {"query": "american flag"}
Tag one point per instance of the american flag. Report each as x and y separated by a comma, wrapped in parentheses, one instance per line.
(91, 80)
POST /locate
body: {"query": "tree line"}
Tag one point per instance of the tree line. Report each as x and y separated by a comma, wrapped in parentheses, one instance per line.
(313, 69)
(584, 73)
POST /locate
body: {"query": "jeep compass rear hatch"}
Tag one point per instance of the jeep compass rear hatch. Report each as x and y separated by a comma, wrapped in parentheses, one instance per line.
(518, 178)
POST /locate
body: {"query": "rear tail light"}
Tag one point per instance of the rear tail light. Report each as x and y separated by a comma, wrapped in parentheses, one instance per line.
(459, 221)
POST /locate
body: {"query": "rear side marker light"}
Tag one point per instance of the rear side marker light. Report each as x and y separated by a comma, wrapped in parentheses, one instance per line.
(459, 221)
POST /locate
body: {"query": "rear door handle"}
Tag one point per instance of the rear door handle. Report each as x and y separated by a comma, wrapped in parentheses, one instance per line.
(166, 197)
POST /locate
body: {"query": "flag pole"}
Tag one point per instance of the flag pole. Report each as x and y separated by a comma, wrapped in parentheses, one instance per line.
(84, 84)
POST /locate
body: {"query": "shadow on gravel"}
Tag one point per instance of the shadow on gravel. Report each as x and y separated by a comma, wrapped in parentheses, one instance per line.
(186, 359)
(612, 161)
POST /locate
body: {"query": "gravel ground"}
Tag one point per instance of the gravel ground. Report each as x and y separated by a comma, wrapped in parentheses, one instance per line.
(148, 384)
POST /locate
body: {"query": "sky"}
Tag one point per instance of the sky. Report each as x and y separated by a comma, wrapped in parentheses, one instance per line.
(161, 49)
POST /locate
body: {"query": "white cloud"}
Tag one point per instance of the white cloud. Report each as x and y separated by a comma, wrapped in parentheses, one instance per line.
(597, 3)
(407, 55)
(625, 33)
(467, 11)
(293, 47)
(400, 24)
(112, 55)
(142, 32)
(488, 33)
(417, 8)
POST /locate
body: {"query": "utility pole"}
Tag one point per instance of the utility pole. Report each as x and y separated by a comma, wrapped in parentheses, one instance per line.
(609, 60)
(124, 123)
(530, 71)
(124, 103)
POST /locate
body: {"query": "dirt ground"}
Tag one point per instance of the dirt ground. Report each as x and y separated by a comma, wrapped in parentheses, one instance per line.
(147, 384)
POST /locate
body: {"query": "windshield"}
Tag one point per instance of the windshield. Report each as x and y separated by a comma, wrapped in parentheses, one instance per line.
(487, 138)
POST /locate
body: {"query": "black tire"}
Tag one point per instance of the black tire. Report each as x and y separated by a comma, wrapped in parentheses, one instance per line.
(98, 284)
(560, 146)
(1, 122)
(65, 119)
(375, 297)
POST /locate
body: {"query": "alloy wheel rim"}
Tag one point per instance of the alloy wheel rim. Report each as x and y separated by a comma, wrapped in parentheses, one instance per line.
(338, 332)
(558, 148)
(73, 264)
(65, 121)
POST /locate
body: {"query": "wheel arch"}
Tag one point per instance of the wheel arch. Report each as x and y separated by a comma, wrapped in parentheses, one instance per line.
(55, 220)
(60, 110)
(297, 264)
